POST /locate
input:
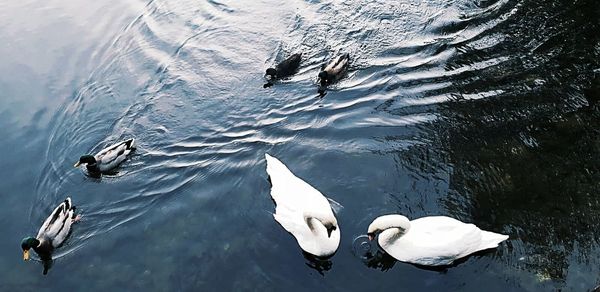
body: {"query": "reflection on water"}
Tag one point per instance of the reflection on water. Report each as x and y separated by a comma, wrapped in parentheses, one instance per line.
(47, 264)
(486, 111)
(379, 260)
(321, 265)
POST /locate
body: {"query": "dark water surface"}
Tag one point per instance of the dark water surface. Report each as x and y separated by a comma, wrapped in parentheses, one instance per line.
(486, 111)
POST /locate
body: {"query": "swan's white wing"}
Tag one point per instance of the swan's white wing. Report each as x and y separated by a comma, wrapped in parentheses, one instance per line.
(436, 240)
(293, 197)
(292, 192)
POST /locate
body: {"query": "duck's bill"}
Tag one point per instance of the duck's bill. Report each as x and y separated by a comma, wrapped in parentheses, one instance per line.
(77, 164)
(25, 255)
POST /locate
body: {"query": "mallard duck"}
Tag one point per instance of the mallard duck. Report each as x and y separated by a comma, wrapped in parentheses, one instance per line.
(285, 68)
(430, 241)
(107, 159)
(53, 232)
(333, 71)
(303, 211)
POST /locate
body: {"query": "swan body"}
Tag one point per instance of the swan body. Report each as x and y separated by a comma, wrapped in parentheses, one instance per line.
(303, 211)
(108, 158)
(53, 232)
(431, 241)
(333, 71)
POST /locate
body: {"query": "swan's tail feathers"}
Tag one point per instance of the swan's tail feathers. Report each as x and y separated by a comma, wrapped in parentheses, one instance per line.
(275, 168)
(277, 218)
(130, 144)
(491, 239)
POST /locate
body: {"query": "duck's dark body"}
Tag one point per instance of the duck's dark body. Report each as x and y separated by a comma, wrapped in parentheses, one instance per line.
(286, 67)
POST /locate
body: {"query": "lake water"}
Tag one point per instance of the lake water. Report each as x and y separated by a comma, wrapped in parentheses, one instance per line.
(486, 111)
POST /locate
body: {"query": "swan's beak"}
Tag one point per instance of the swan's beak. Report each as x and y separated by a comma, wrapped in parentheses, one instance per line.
(329, 230)
(371, 236)
(26, 255)
(77, 164)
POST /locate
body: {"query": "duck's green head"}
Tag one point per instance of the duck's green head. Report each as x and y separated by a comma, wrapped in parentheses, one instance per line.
(88, 159)
(28, 243)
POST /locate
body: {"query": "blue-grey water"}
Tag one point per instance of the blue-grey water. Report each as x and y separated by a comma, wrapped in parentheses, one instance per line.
(483, 110)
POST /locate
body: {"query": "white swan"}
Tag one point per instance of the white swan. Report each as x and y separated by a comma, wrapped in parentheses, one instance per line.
(430, 241)
(303, 211)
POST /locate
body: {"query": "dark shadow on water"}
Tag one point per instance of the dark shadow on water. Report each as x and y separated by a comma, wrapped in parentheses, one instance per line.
(380, 260)
(98, 175)
(94, 175)
(319, 264)
(47, 263)
(322, 92)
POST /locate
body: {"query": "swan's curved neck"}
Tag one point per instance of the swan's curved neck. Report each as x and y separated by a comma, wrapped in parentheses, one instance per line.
(310, 221)
(310, 217)
(397, 233)
(397, 223)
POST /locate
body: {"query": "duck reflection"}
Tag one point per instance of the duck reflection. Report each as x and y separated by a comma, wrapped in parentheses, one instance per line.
(47, 264)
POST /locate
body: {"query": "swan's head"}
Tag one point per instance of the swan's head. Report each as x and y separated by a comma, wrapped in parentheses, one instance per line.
(327, 220)
(87, 159)
(330, 225)
(386, 222)
(27, 244)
